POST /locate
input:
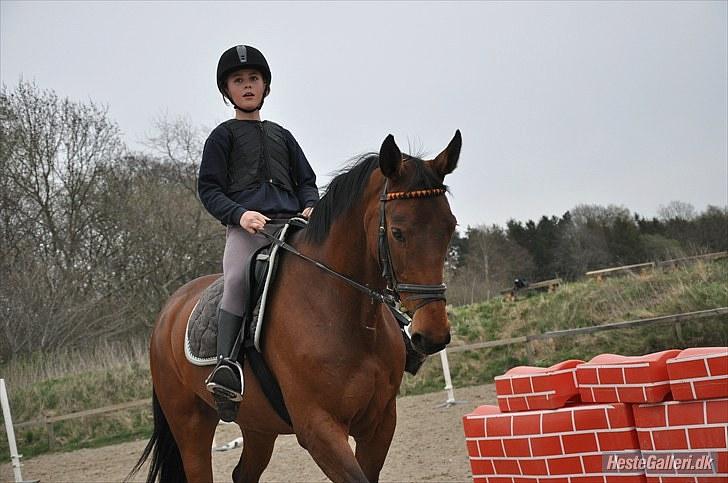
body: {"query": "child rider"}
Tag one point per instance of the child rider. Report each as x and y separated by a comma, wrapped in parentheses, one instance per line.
(252, 171)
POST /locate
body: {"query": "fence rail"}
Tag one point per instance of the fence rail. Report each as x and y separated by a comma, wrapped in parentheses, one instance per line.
(681, 261)
(88, 412)
(48, 422)
(606, 271)
(642, 267)
(701, 314)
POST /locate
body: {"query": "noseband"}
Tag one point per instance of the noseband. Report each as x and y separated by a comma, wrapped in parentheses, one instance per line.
(425, 293)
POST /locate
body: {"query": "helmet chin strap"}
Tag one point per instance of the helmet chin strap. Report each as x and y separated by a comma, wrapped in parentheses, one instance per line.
(250, 111)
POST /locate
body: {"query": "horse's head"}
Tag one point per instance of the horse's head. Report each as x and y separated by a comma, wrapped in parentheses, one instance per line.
(413, 225)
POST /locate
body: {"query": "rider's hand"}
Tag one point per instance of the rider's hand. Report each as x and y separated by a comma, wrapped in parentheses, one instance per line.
(307, 212)
(252, 221)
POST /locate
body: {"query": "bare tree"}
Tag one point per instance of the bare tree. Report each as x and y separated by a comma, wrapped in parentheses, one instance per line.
(490, 264)
(178, 143)
(676, 210)
(93, 239)
(53, 154)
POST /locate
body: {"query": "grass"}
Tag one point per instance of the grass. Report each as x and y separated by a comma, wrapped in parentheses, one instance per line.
(38, 387)
(70, 381)
(41, 366)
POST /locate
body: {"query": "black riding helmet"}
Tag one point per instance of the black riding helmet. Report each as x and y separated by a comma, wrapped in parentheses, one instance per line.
(242, 57)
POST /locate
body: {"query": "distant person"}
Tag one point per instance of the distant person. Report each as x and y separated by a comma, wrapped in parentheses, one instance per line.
(252, 171)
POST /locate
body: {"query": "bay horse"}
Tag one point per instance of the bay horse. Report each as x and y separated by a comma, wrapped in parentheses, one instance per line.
(337, 354)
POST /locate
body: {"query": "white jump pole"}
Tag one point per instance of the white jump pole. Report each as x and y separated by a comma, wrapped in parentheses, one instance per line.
(235, 443)
(14, 456)
(448, 382)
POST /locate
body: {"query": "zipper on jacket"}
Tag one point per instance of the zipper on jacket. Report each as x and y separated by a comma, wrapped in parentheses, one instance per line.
(264, 155)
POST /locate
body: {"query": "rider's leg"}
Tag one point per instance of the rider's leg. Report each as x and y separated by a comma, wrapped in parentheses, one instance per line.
(226, 379)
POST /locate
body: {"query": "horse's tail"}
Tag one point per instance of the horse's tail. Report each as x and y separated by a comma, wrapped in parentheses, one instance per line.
(166, 460)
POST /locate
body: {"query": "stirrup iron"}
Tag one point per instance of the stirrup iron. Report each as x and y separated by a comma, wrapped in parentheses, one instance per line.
(222, 391)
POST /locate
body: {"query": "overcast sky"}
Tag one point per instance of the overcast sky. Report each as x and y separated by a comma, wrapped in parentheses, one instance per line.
(559, 103)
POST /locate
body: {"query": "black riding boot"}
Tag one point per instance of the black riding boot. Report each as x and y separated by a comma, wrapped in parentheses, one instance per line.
(414, 359)
(226, 380)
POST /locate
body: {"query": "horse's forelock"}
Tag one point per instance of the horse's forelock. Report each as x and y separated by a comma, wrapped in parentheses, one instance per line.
(422, 177)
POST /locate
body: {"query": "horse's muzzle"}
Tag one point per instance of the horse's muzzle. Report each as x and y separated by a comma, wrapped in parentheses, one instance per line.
(427, 346)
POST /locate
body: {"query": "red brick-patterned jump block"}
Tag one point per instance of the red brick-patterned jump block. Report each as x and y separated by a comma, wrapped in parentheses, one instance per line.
(699, 373)
(524, 388)
(615, 378)
(555, 446)
(689, 427)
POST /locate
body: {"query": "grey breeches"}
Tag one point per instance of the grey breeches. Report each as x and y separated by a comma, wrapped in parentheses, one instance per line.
(239, 246)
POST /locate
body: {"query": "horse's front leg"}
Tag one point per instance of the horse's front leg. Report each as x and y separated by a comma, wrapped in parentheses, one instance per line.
(327, 440)
(372, 449)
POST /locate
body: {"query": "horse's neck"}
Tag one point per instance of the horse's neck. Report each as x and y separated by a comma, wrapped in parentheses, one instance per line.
(345, 251)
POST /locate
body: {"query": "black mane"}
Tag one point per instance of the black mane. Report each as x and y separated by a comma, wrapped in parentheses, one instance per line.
(346, 188)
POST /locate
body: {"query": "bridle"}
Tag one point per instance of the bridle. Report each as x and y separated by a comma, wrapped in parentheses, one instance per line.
(391, 294)
(424, 293)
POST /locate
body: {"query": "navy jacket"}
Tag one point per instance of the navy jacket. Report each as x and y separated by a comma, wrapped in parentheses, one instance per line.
(228, 207)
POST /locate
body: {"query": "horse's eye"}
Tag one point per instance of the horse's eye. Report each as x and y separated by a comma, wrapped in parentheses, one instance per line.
(397, 234)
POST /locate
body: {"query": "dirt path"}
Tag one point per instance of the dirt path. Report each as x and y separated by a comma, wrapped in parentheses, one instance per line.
(428, 446)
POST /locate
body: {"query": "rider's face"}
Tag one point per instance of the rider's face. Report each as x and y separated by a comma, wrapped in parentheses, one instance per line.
(246, 88)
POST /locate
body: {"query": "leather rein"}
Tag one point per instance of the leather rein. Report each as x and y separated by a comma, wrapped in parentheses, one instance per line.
(391, 294)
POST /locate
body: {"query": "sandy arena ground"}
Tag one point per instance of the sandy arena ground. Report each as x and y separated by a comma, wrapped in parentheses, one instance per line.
(428, 446)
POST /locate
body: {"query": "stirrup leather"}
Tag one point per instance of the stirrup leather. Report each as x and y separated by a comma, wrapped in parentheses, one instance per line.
(223, 391)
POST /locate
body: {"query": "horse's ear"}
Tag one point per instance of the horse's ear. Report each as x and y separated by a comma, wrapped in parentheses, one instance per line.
(446, 162)
(390, 158)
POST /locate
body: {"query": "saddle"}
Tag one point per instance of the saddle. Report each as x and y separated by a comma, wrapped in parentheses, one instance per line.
(201, 331)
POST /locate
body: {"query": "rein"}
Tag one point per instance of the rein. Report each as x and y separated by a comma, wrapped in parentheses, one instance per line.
(391, 295)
